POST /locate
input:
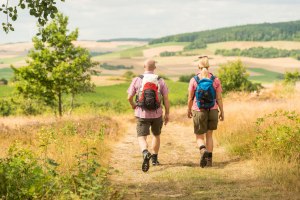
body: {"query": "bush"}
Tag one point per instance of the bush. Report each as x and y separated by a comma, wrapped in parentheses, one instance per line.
(167, 54)
(291, 77)
(6, 107)
(233, 77)
(129, 75)
(25, 176)
(278, 135)
(22, 177)
(114, 67)
(3, 81)
(186, 78)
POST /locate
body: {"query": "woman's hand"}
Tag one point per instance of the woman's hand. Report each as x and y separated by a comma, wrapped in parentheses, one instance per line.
(221, 116)
(189, 113)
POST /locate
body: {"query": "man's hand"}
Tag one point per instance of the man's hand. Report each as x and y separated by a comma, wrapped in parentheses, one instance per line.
(189, 113)
(133, 106)
(221, 116)
(166, 119)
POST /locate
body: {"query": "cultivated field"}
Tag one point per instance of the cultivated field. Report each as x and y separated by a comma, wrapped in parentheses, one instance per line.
(134, 54)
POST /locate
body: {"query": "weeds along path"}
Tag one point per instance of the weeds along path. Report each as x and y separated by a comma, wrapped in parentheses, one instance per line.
(179, 175)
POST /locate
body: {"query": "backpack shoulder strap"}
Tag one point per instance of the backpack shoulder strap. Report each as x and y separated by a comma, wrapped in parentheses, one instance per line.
(197, 79)
(212, 77)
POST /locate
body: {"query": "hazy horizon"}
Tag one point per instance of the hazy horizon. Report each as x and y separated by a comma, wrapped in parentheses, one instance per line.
(110, 19)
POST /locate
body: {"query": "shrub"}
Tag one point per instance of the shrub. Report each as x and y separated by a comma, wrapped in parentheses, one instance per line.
(128, 75)
(164, 77)
(233, 77)
(22, 177)
(167, 54)
(3, 81)
(6, 107)
(186, 78)
(278, 135)
(291, 77)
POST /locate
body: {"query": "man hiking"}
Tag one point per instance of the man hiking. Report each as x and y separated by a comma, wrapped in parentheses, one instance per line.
(151, 93)
(204, 106)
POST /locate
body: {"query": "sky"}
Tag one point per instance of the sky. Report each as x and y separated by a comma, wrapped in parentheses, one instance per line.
(106, 19)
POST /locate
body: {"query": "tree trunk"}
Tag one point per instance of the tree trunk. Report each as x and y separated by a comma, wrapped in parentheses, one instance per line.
(72, 104)
(59, 104)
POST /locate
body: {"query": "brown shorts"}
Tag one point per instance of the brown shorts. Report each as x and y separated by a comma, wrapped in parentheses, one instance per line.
(143, 126)
(205, 120)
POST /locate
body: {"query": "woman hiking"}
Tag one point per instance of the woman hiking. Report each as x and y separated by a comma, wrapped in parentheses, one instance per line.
(205, 106)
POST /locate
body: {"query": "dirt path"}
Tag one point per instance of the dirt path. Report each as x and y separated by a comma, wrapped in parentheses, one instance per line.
(179, 175)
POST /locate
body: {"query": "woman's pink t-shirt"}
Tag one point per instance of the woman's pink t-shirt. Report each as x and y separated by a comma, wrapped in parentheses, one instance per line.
(193, 85)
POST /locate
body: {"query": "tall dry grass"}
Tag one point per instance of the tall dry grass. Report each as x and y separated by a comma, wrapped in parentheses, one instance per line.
(244, 137)
(60, 139)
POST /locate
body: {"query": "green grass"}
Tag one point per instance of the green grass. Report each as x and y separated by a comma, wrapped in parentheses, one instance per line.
(114, 97)
(11, 60)
(5, 91)
(6, 73)
(266, 77)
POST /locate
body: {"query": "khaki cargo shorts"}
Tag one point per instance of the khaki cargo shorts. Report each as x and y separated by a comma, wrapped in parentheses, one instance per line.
(205, 120)
(143, 126)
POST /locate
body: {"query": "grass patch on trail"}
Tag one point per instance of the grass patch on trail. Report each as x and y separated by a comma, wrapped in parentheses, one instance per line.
(6, 73)
(266, 75)
(214, 183)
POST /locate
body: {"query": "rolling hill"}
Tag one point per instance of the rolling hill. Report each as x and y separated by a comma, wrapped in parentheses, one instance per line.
(287, 31)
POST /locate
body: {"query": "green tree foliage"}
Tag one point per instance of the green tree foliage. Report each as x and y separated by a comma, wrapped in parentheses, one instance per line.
(167, 54)
(114, 67)
(260, 52)
(41, 9)
(186, 78)
(128, 75)
(197, 44)
(291, 77)
(56, 67)
(233, 77)
(255, 32)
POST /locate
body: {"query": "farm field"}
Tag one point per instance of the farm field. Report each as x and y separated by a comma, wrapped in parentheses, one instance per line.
(134, 54)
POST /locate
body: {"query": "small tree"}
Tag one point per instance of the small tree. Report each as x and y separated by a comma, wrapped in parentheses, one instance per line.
(55, 67)
(234, 77)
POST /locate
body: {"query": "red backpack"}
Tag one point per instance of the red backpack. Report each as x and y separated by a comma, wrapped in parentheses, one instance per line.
(148, 94)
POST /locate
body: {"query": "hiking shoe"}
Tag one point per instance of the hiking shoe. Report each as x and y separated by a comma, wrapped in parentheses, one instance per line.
(209, 162)
(204, 158)
(146, 162)
(154, 160)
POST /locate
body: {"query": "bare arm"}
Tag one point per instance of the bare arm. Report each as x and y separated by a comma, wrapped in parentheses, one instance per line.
(167, 108)
(130, 100)
(220, 103)
(190, 104)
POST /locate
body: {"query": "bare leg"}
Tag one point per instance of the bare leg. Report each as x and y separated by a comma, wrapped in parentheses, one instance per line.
(200, 140)
(143, 142)
(209, 141)
(155, 143)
